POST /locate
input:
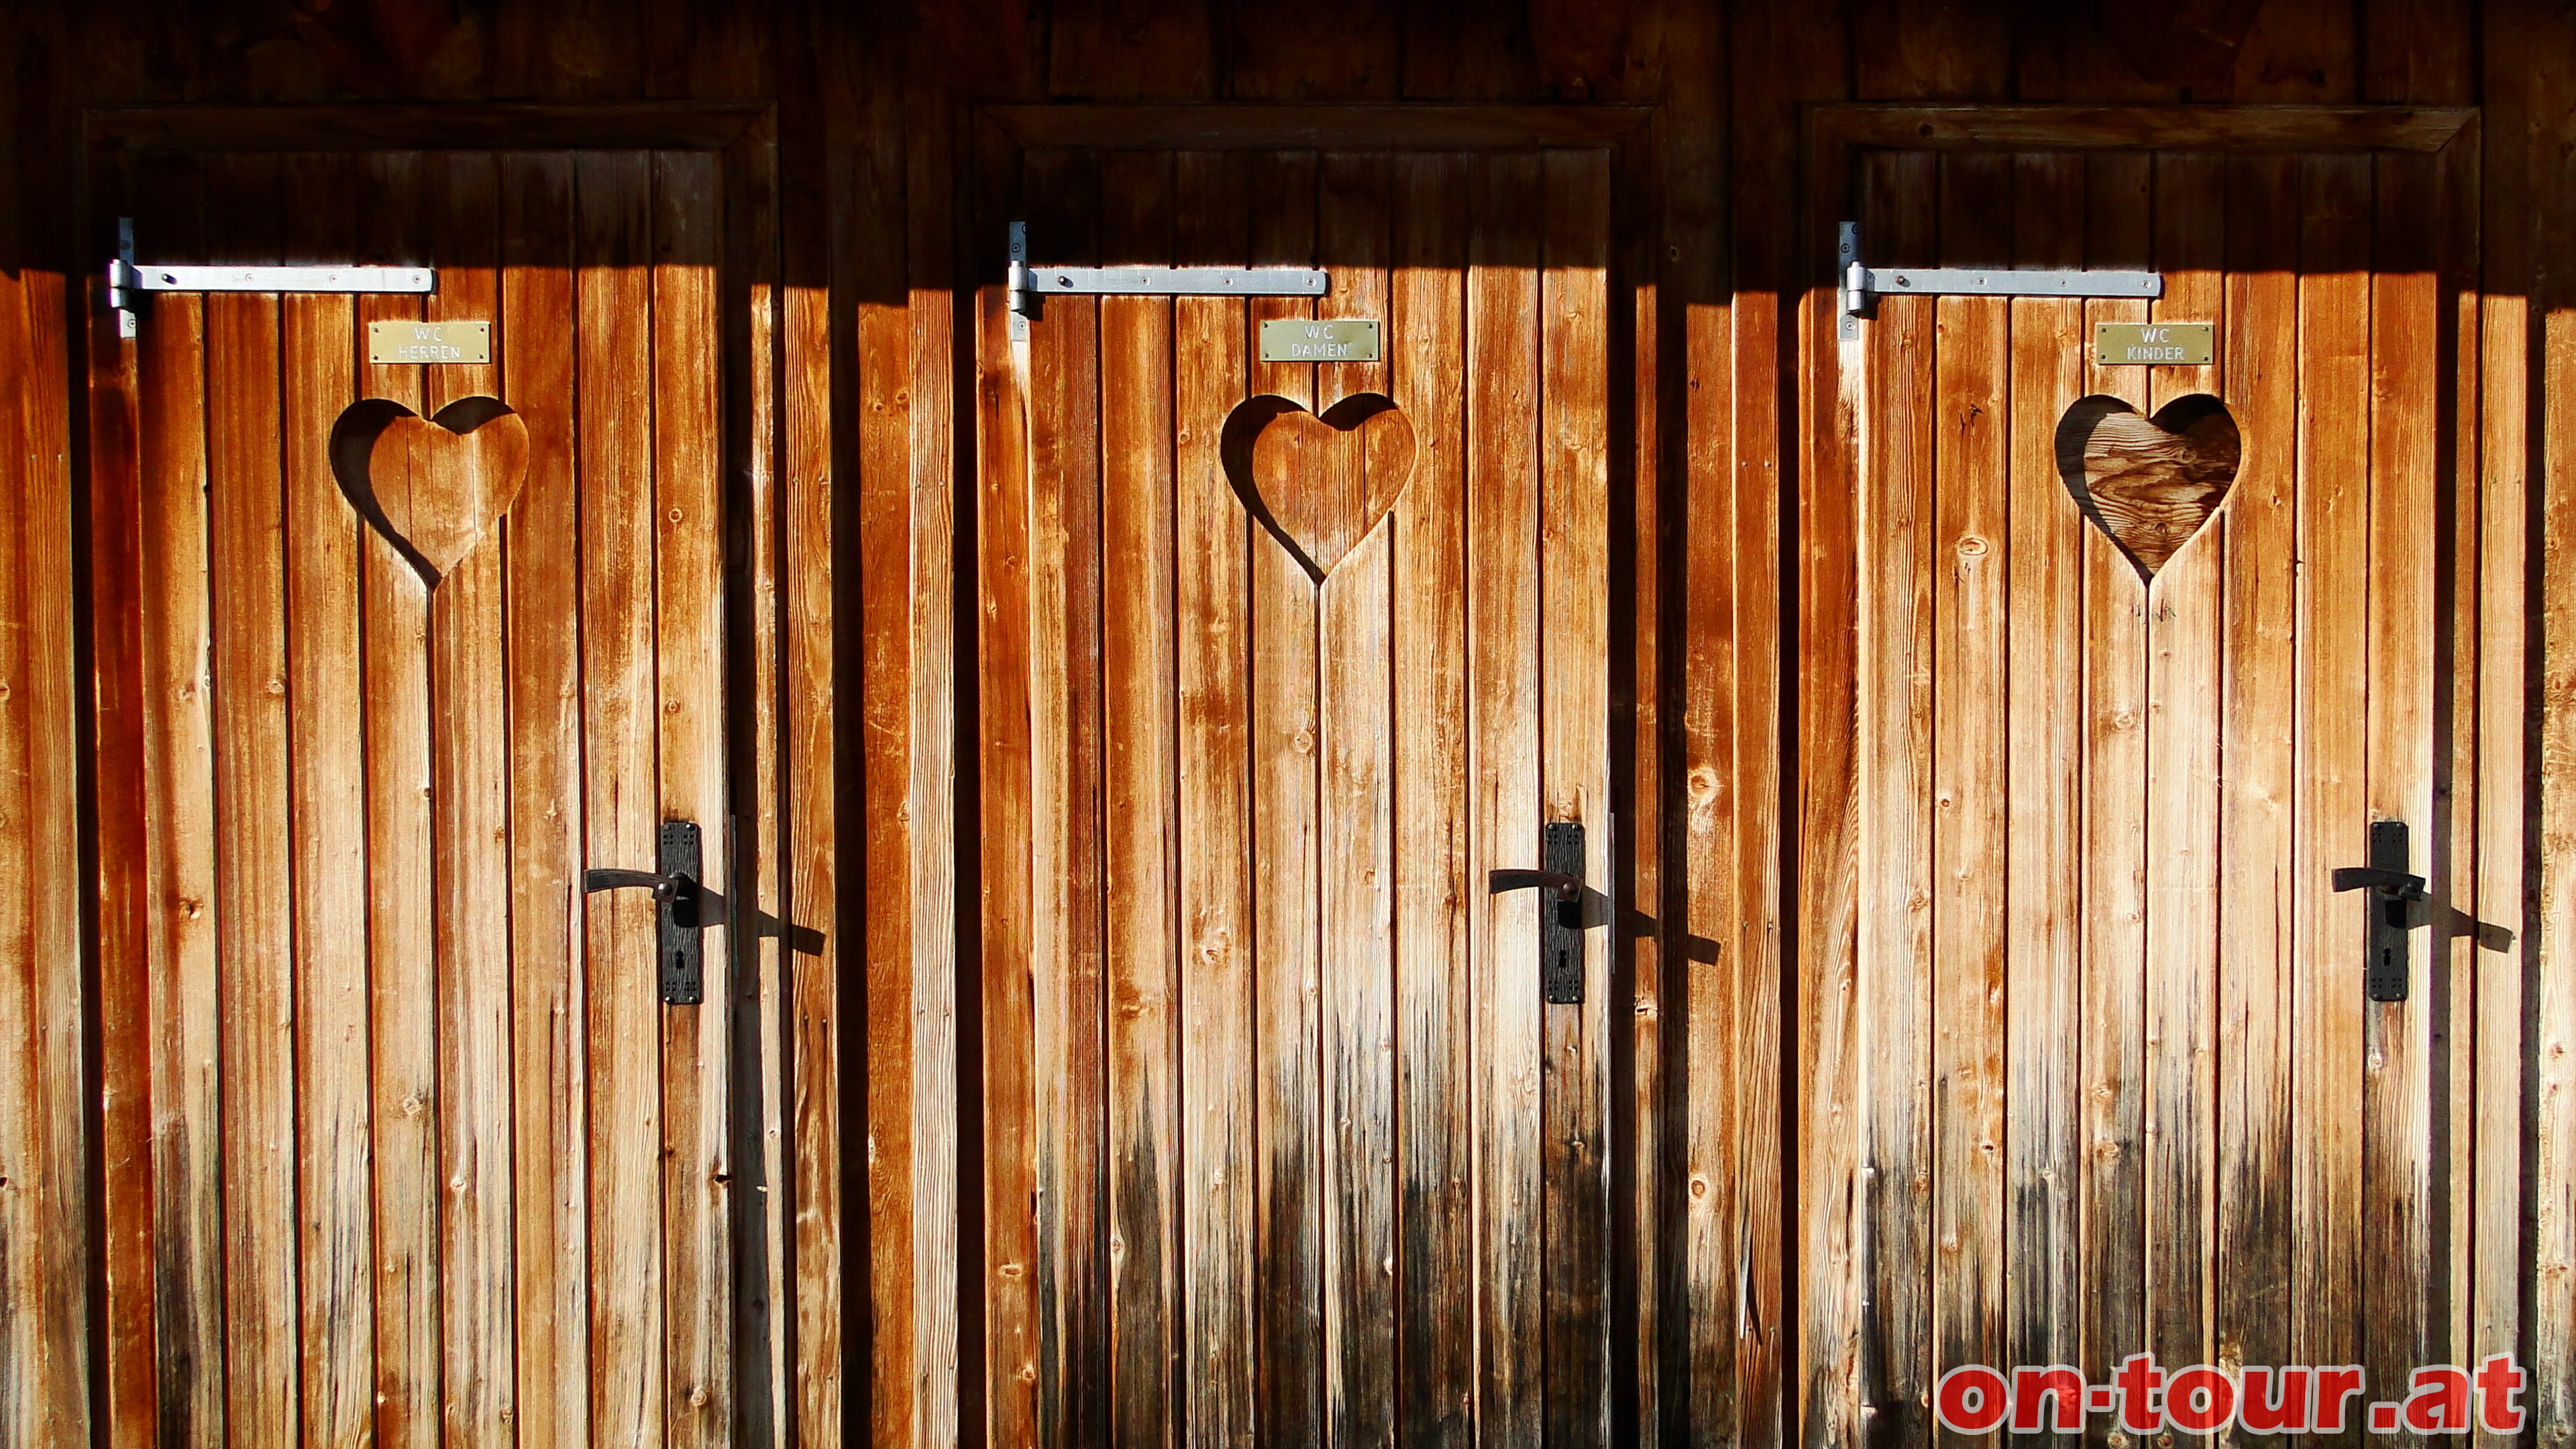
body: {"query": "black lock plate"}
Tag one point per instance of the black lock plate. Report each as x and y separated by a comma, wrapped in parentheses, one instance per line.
(2386, 973)
(681, 948)
(1560, 931)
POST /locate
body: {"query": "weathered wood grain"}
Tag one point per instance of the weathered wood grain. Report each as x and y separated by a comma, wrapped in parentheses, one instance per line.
(317, 371)
(688, 548)
(2406, 1173)
(1433, 1010)
(2115, 844)
(621, 811)
(175, 674)
(1574, 780)
(1361, 872)
(2186, 700)
(1214, 934)
(1504, 452)
(126, 1369)
(549, 1008)
(2257, 869)
(1969, 532)
(402, 967)
(254, 896)
(1286, 852)
(2332, 819)
(2043, 906)
(1138, 811)
(2503, 1007)
(470, 823)
(1896, 524)
(1065, 860)
(1010, 1297)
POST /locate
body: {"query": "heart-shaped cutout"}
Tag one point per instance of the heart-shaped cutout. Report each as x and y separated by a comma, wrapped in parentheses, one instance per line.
(2149, 483)
(1318, 482)
(432, 486)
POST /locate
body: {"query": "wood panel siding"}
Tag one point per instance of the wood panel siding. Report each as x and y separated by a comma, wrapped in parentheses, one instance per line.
(2212, 1149)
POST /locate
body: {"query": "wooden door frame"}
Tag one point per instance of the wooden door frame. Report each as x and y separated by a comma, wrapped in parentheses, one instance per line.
(1836, 1381)
(744, 134)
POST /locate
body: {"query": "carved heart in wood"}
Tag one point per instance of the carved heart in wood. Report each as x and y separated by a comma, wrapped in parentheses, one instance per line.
(432, 486)
(1318, 483)
(2150, 483)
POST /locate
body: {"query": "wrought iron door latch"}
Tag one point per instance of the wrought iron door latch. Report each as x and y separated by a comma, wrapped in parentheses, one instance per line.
(2394, 892)
(1560, 929)
(680, 947)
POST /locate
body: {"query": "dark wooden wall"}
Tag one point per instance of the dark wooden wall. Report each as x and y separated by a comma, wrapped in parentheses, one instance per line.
(1737, 783)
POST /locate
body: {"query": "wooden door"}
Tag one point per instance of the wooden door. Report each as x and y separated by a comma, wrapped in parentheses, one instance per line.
(1280, 661)
(2143, 653)
(430, 1161)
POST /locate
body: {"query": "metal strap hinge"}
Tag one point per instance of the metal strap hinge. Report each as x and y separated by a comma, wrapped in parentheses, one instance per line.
(125, 279)
(1028, 284)
(1861, 283)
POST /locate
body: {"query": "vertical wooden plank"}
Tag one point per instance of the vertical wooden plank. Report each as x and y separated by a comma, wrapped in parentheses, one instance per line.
(1503, 455)
(1137, 807)
(127, 727)
(1970, 523)
(931, 797)
(2403, 1318)
(1827, 1118)
(812, 77)
(2044, 903)
(2332, 811)
(1896, 528)
(1434, 1012)
(621, 812)
(1002, 538)
(1219, 1366)
(1360, 872)
(2116, 220)
(1355, 826)
(174, 597)
(2502, 1039)
(336, 1233)
(688, 531)
(2551, 119)
(877, 382)
(470, 793)
(1574, 784)
(1289, 1221)
(253, 838)
(54, 1144)
(402, 965)
(2185, 705)
(1065, 836)
(2257, 878)
(541, 576)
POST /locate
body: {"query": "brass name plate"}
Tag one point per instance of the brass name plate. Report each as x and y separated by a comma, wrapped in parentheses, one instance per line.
(1297, 340)
(396, 342)
(2155, 344)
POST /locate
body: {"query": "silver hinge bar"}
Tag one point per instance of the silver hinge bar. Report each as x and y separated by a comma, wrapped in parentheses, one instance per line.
(1028, 283)
(124, 279)
(1860, 283)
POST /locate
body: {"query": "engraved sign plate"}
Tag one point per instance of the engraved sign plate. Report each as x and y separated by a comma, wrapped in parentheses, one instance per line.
(1298, 340)
(429, 342)
(2154, 344)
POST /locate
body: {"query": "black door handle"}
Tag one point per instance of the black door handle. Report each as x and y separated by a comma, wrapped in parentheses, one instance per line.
(680, 945)
(1560, 931)
(2393, 890)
